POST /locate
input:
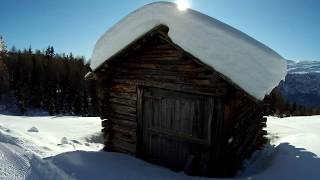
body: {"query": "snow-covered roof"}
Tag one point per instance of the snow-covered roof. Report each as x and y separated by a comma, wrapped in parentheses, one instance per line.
(248, 63)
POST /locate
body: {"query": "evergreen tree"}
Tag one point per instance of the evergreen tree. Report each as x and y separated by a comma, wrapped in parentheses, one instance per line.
(13, 49)
(4, 80)
(49, 81)
(30, 50)
(3, 47)
(49, 52)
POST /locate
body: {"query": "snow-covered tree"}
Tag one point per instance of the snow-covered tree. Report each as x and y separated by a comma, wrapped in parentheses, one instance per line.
(3, 47)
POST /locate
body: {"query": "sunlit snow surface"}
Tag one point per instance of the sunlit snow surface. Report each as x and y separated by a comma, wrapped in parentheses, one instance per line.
(51, 148)
(248, 63)
(55, 134)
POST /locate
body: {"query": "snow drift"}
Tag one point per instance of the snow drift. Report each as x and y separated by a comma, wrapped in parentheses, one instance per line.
(293, 154)
(248, 63)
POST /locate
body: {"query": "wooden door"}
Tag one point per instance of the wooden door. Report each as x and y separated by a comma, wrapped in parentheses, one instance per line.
(174, 126)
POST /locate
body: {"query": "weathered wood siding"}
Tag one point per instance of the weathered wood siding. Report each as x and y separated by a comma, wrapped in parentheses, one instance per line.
(153, 61)
(176, 126)
(244, 123)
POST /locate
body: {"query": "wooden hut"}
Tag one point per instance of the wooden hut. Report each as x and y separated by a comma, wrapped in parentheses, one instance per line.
(164, 103)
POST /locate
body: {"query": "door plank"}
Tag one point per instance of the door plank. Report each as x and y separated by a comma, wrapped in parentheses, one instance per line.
(174, 126)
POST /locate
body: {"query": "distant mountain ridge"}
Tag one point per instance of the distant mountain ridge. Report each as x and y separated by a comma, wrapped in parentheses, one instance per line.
(303, 67)
(302, 83)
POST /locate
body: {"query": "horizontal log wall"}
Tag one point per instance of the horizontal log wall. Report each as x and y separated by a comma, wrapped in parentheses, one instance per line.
(154, 62)
(244, 123)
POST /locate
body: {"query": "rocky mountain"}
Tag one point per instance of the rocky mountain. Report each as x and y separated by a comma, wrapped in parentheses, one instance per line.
(302, 83)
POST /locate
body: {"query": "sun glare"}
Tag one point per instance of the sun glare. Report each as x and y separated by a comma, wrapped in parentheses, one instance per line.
(183, 4)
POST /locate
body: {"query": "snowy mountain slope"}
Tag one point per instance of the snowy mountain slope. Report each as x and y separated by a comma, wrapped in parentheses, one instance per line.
(293, 154)
(303, 67)
(302, 83)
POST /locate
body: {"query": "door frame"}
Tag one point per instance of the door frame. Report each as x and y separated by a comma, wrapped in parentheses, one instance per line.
(140, 93)
(216, 130)
(139, 148)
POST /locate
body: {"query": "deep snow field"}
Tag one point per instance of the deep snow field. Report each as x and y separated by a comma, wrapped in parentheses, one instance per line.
(58, 148)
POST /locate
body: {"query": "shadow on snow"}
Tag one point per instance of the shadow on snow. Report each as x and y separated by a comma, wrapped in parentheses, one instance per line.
(284, 161)
(281, 162)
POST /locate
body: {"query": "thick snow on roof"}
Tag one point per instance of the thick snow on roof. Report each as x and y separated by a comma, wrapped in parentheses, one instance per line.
(248, 63)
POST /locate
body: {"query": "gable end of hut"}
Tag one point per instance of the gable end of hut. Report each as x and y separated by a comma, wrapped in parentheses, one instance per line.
(148, 92)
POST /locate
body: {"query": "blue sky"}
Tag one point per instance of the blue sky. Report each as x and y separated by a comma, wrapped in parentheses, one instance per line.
(290, 27)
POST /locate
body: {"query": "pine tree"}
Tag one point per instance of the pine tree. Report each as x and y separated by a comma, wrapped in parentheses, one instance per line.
(48, 81)
(13, 49)
(49, 52)
(3, 47)
(4, 79)
(30, 50)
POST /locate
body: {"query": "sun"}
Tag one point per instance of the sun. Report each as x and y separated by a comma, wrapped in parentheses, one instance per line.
(183, 4)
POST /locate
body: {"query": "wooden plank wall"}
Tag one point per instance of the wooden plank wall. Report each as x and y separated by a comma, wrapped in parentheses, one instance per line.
(175, 126)
(155, 62)
(244, 123)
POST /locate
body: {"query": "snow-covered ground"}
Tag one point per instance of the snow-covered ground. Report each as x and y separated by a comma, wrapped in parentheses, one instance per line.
(49, 136)
(294, 151)
(69, 148)
(24, 141)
